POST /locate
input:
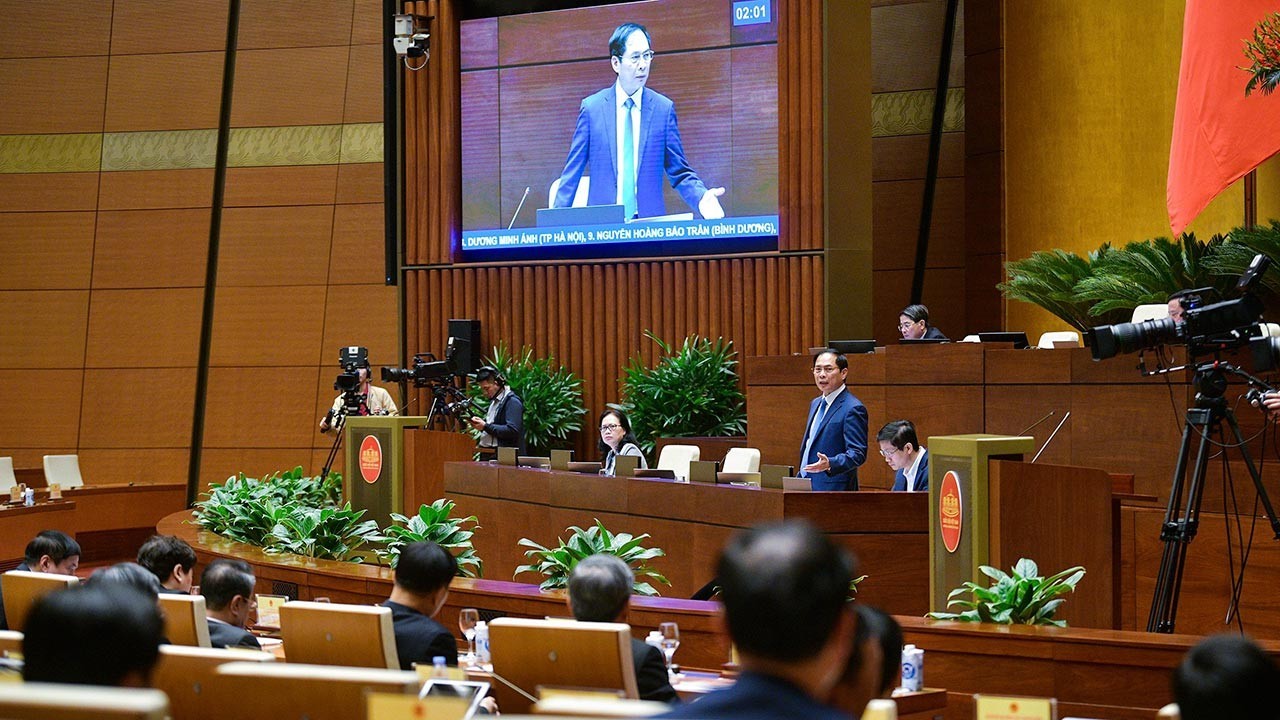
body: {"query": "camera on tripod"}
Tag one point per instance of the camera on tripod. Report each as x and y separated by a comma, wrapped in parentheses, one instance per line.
(426, 368)
(1206, 328)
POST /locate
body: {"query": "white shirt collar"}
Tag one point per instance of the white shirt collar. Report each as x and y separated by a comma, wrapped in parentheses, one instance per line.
(620, 96)
(831, 396)
(910, 473)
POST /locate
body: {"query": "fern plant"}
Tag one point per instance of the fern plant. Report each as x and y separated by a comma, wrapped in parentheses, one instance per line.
(555, 564)
(432, 523)
(551, 393)
(690, 392)
(1048, 278)
(1023, 598)
(1147, 272)
(1233, 256)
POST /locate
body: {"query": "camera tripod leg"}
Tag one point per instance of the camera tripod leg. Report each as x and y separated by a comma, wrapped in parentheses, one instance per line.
(1255, 474)
(1180, 521)
(333, 453)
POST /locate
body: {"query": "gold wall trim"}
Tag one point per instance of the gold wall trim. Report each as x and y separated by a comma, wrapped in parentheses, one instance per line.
(910, 112)
(190, 149)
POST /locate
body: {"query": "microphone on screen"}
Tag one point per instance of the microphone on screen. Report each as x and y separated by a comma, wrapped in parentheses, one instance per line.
(517, 212)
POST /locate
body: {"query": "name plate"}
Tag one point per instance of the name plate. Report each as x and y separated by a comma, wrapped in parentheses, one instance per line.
(1004, 707)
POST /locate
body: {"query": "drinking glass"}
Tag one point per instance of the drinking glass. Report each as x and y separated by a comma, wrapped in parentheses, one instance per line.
(670, 640)
(467, 620)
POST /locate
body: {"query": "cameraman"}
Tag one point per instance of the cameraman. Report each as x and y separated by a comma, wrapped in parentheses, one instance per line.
(371, 400)
(503, 424)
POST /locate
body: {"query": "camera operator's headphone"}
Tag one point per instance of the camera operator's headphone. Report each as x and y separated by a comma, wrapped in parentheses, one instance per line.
(489, 372)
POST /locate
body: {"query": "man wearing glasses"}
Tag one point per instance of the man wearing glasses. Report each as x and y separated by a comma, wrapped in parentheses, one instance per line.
(835, 438)
(627, 137)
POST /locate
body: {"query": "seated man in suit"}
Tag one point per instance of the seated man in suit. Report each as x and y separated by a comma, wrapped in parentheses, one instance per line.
(171, 560)
(106, 634)
(913, 323)
(875, 667)
(784, 588)
(901, 451)
(50, 551)
(227, 586)
(1226, 676)
(600, 591)
(835, 438)
(423, 574)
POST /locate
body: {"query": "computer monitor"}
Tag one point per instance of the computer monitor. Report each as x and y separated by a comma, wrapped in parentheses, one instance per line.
(853, 347)
(1019, 339)
(921, 341)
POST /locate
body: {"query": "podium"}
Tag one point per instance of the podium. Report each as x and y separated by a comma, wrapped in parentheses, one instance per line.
(394, 464)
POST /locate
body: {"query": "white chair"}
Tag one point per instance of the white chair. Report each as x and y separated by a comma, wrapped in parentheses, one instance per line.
(676, 458)
(579, 197)
(7, 478)
(186, 620)
(1059, 339)
(741, 460)
(63, 470)
(1154, 311)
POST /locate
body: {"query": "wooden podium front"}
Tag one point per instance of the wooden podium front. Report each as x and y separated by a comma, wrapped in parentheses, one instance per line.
(394, 463)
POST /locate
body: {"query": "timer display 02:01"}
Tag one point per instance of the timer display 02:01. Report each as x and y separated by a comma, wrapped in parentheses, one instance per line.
(751, 12)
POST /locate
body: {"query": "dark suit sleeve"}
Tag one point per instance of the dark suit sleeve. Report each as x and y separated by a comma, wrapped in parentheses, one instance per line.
(577, 160)
(445, 645)
(855, 441)
(248, 641)
(922, 477)
(651, 677)
(683, 178)
(509, 428)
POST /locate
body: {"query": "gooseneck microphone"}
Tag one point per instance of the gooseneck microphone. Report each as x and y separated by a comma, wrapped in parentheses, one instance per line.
(517, 212)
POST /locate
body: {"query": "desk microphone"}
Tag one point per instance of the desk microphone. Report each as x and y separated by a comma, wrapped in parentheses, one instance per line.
(1028, 428)
(517, 212)
(1051, 436)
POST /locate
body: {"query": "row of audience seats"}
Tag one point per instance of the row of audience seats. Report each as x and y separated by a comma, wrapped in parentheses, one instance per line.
(61, 469)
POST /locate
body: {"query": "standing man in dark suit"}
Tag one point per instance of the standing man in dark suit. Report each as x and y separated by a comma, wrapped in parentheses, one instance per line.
(627, 137)
(600, 591)
(901, 451)
(835, 438)
(784, 589)
(423, 574)
(227, 586)
(503, 424)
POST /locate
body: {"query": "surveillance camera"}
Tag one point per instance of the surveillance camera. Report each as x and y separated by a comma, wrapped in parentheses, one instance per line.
(420, 46)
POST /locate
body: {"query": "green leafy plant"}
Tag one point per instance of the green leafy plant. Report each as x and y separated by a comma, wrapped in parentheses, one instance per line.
(432, 523)
(1263, 53)
(690, 392)
(556, 563)
(327, 533)
(1048, 278)
(552, 396)
(1231, 258)
(1023, 598)
(1146, 272)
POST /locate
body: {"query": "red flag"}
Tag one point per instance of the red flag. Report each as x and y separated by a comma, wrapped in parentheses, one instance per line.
(1219, 135)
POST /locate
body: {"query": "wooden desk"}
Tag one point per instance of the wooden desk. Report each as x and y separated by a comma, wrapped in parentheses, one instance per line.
(889, 532)
(21, 523)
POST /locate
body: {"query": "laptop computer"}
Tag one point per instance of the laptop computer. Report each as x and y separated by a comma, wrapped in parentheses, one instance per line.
(1019, 339)
(471, 691)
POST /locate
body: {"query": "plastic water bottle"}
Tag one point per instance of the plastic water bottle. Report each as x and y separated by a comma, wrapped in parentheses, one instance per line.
(654, 638)
(439, 668)
(482, 643)
(912, 668)
(29, 497)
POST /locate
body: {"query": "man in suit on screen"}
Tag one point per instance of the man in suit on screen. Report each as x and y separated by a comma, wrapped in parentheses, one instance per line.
(835, 438)
(627, 137)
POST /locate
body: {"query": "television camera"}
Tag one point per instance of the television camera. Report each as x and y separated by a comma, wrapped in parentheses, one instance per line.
(450, 406)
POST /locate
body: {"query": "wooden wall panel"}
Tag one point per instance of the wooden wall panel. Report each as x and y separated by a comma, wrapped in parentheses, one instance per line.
(275, 246)
(217, 464)
(263, 326)
(149, 466)
(48, 192)
(357, 238)
(43, 328)
(316, 23)
(125, 252)
(144, 95)
(144, 328)
(800, 120)
(361, 315)
(913, 31)
(289, 87)
(31, 30)
(156, 414)
(944, 294)
(289, 185)
(366, 23)
(50, 423)
(364, 85)
(44, 251)
(261, 408)
(53, 95)
(360, 183)
(142, 189)
(151, 26)
(897, 213)
(902, 157)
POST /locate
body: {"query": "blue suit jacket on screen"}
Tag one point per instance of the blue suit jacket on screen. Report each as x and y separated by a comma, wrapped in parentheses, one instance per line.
(922, 475)
(842, 437)
(595, 148)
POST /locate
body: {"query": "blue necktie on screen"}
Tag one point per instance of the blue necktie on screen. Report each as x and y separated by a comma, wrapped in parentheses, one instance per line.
(813, 430)
(629, 162)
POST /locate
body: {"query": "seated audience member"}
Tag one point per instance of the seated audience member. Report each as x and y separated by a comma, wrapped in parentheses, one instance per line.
(227, 586)
(171, 560)
(875, 666)
(421, 586)
(1226, 676)
(50, 551)
(600, 591)
(617, 439)
(901, 451)
(784, 589)
(128, 574)
(95, 635)
(913, 323)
